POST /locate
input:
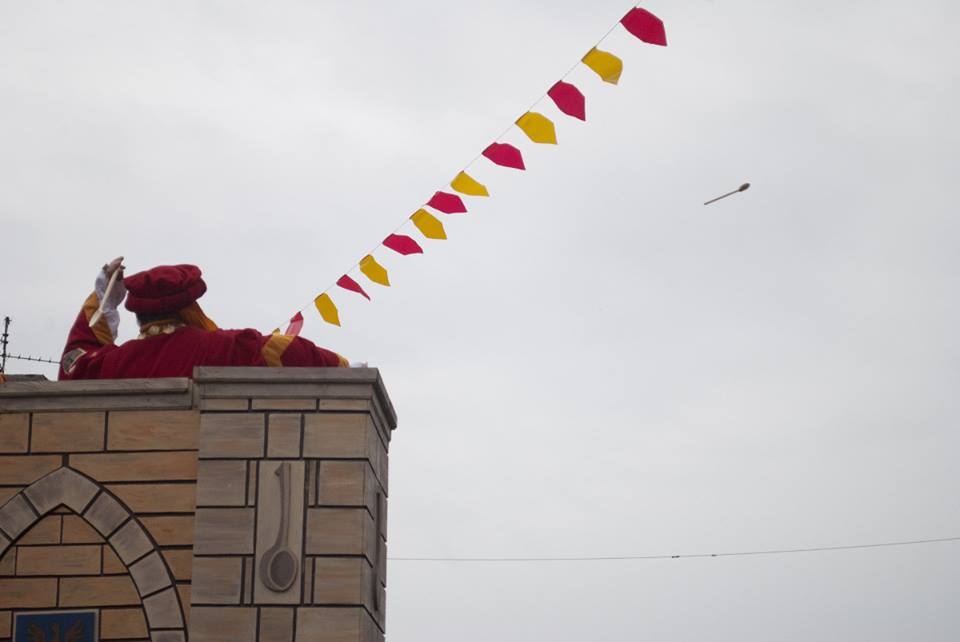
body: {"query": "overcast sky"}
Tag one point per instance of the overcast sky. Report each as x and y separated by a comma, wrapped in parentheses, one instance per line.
(594, 363)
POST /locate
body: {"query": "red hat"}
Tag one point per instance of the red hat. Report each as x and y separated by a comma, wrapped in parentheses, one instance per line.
(165, 288)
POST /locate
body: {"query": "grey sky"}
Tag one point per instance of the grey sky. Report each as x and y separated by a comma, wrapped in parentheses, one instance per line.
(594, 363)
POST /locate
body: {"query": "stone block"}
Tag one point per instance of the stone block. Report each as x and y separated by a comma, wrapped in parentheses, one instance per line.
(62, 486)
(217, 580)
(111, 563)
(13, 432)
(153, 430)
(348, 483)
(180, 562)
(336, 434)
(222, 483)
(150, 574)
(7, 492)
(219, 624)
(283, 404)
(167, 636)
(170, 530)
(5, 618)
(183, 590)
(46, 531)
(106, 514)
(283, 435)
(83, 559)
(122, 623)
(340, 531)
(225, 404)
(166, 466)
(343, 581)
(58, 432)
(224, 531)
(114, 590)
(276, 624)
(225, 435)
(26, 469)
(333, 624)
(28, 592)
(8, 557)
(77, 531)
(130, 542)
(16, 516)
(163, 610)
(157, 497)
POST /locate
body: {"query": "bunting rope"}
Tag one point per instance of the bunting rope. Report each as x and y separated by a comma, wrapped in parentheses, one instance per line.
(538, 128)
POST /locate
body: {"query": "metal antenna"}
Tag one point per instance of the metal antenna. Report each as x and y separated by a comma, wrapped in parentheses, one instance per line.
(3, 340)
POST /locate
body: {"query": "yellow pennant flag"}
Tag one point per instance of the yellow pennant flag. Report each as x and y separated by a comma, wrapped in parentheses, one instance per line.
(538, 128)
(374, 271)
(427, 223)
(607, 66)
(465, 184)
(327, 309)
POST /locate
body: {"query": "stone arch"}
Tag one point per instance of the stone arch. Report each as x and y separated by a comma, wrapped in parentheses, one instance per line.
(119, 527)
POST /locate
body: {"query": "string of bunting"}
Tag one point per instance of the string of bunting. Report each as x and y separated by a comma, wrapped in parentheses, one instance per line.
(538, 128)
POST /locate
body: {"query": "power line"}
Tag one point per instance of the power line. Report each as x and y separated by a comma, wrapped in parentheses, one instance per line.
(611, 558)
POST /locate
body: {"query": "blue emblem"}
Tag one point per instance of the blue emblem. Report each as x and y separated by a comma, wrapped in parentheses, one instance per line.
(55, 626)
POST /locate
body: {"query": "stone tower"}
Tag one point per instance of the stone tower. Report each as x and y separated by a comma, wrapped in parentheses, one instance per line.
(244, 505)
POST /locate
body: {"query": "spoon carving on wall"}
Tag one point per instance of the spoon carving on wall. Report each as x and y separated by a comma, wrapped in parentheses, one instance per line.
(278, 567)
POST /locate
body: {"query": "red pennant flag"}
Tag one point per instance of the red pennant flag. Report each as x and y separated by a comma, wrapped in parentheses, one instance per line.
(402, 244)
(447, 203)
(296, 324)
(505, 155)
(347, 283)
(646, 26)
(569, 100)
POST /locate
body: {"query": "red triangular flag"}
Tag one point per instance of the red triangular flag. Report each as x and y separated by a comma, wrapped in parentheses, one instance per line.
(296, 324)
(505, 155)
(569, 100)
(646, 26)
(402, 244)
(447, 203)
(347, 283)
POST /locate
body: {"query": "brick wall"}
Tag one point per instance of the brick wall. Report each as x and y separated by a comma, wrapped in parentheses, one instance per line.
(154, 502)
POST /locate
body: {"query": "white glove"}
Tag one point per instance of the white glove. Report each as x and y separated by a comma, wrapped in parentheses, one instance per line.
(117, 294)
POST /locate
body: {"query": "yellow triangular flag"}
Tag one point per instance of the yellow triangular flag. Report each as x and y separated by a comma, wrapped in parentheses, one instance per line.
(538, 128)
(427, 223)
(607, 66)
(327, 309)
(276, 331)
(465, 184)
(374, 271)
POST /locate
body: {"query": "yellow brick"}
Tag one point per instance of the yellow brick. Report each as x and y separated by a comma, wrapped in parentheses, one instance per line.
(26, 469)
(4, 624)
(122, 623)
(78, 531)
(67, 432)
(170, 530)
(154, 430)
(13, 432)
(180, 561)
(183, 590)
(115, 590)
(111, 563)
(58, 560)
(157, 498)
(138, 466)
(46, 531)
(28, 592)
(7, 492)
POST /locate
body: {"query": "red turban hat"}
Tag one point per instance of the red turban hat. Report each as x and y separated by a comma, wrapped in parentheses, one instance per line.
(166, 288)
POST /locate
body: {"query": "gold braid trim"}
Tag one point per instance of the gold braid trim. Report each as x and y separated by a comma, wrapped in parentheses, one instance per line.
(274, 348)
(100, 329)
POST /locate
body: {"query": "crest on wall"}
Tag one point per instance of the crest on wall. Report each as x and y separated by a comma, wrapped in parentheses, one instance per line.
(55, 626)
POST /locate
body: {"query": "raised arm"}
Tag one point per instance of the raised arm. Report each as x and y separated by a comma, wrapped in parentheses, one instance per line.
(87, 344)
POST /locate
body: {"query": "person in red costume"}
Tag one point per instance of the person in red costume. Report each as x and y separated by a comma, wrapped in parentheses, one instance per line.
(175, 334)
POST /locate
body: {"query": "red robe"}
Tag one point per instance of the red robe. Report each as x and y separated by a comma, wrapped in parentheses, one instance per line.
(90, 353)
